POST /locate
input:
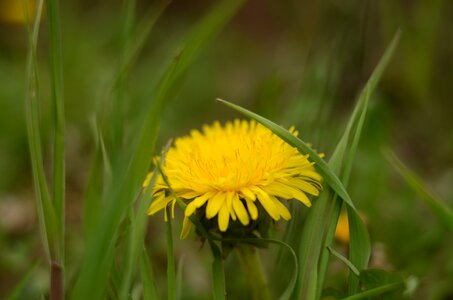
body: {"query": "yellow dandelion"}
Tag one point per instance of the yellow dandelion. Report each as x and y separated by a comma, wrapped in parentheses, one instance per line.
(342, 229)
(234, 173)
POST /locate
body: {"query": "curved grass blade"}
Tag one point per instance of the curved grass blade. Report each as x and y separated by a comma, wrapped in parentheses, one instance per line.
(324, 209)
(375, 291)
(346, 261)
(254, 241)
(443, 213)
(17, 291)
(329, 176)
(148, 281)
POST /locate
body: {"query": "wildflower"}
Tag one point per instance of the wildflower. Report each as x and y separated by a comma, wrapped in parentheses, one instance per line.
(342, 233)
(234, 173)
(342, 229)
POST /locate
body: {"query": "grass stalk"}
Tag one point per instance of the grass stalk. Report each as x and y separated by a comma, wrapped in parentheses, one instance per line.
(218, 276)
(254, 272)
(59, 119)
(57, 264)
(50, 219)
(171, 273)
(148, 280)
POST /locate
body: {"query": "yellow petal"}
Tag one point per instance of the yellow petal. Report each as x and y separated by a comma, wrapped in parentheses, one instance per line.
(304, 186)
(173, 209)
(267, 203)
(196, 203)
(159, 203)
(288, 192)
(251, 207)
(301, 197)
(186, 225)
(282, 209)
(224, 217)
(240, 210)
(229, 202)
(147, 180)
(247, 193)
(278, 189)
(311, 174)
(214, 205)
(189, 194)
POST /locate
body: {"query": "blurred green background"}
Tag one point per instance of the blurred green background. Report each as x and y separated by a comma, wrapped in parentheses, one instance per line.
(298, 63)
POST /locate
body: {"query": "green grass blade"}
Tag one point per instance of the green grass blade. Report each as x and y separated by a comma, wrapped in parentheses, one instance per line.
(171, 273)
(127, 177)
(131, 50)
(179, 277)
(375, 291)
(148, 281)
(137, 42)
(17, 291)
(218, 278)
(218, 273)
(325, 208)
(93, 194)
(57, 286)
(59, 120)
(346, 261)
(341, 161)
(46, 213)
(50, 220)
(443, 213)
(321, 166)
(139, 222)
(359, 245)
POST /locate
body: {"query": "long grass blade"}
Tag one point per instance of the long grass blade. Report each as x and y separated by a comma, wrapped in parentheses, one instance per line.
(139, 219)
(50, 215)
(346, 261)
(128, 177)
(217, 268)
(59, 119)
(329, 176)
(376, 291)
(171, 272)
(19, 288)
(360, 248)
(58, 177)
(46, 212)
(93, 194)
(324, 213)
(148, 281)
(218, 278)
(443, 213)
(179, 278)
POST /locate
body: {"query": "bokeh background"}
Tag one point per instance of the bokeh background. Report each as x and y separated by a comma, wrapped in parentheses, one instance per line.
(299, 63)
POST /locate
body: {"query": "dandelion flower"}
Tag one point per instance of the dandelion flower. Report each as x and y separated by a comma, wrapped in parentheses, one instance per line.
(234, 173)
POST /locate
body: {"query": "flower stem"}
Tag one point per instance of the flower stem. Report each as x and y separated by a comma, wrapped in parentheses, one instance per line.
(253, 269)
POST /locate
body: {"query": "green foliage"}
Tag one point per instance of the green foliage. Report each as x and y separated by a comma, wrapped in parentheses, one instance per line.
(121, 65)
(443, 213)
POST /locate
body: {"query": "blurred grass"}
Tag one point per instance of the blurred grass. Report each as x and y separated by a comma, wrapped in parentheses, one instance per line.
(294, 62)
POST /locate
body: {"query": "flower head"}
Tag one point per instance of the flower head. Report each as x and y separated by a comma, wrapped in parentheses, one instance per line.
(234, 173)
